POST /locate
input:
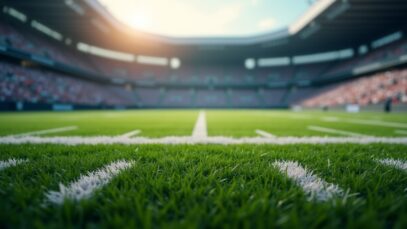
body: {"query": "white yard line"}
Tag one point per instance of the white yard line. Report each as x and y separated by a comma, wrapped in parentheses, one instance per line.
(334, 131)
(200, 129)
(130, 134)
(404, 132)
(366, 122)
(399, 164)
(265, 134)
(377, 123)
(48, 131)
(87, 184)
(330, 119)
(316, 188)
(11, 163)
(176, 140)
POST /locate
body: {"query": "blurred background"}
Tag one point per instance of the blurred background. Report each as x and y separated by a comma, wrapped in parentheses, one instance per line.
(122, 54)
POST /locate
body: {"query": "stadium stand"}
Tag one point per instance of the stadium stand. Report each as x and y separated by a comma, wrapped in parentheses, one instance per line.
(38, 86)
(38, 69)
(368, 90)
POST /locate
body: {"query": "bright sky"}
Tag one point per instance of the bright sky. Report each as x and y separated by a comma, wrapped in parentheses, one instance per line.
(202, 18)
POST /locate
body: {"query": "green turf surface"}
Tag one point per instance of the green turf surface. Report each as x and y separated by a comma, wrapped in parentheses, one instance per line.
(234, 123)
(204, 186)
(201, 186)
(152, 123)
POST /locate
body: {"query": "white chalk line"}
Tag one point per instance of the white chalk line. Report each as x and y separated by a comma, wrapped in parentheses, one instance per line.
(334, 131)
(130, 134)
(188, 140)
(11, 163)
(403, 132)
(265, 134)
(330, 119)
(200, 129)
(367, 122)
(87, 184)
(315, 187)
(399, 164)
(48, 131)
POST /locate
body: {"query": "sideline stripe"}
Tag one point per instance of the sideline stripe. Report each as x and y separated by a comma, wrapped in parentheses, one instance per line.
(334, 131)
(399, 164)
(200, 130)
(11, 163)
(316, 188)
(265, 134)
(87, 184)
(177, 140)
(401, 132)
(49, 131)
(130, 134)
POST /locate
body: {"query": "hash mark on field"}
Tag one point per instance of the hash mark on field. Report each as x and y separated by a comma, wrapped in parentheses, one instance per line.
(334, 131)
(87, 184)
(315, 187)
(399, 164)
(265, 134)
(404, 132)
(11, 163)
(130, 134)
(48, 131)
(200, 129)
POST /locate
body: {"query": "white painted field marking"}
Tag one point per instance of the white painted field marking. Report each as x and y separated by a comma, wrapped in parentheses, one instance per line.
(316, 188)
(401, 132)
(87, 184)
(49, 131)
(265, 134)
(377, 123)
(200, 129)
(130, 134)
(330, 119)
(334, 131)
(11, 163)
(399, 164)
(178, 140)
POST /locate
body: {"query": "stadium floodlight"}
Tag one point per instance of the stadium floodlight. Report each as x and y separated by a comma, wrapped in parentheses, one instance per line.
(175, 63)
(152, 60)
(250, 63)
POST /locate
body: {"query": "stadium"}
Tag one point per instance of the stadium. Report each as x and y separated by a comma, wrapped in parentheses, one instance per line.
(108, 125)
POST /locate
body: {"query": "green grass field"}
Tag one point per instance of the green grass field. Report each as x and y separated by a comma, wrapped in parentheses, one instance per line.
(204, 185)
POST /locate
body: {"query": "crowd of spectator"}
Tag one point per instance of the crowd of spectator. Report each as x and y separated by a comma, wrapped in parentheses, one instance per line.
(38, 86)
(376, 89)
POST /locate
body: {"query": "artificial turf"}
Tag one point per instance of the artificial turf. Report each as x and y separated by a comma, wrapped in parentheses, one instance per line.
(203, 186)
(160, 123)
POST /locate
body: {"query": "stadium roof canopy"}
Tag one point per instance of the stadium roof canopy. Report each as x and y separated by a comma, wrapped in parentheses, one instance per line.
(329, 25)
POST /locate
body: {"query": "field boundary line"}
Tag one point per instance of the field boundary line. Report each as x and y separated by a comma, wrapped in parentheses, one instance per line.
(188, 140)
(265, 134)
(200, 129)
(86, 185)
(334, 131)
(47, 131)
(11, 163)
(130, 134)
(315, 187)
(398, 164)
